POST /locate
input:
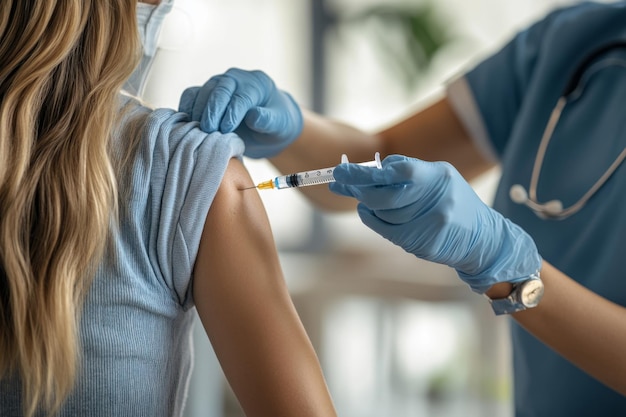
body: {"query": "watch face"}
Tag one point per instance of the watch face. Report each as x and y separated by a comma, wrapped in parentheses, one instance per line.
(531, 293)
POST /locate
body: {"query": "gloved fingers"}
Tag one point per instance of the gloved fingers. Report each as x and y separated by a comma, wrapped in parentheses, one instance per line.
(253, 80)
(425, 174)
(423, 239)
(395, 186)
(390, 159)
(400, 214)
(188, 100)
(400, 169)
(371, 219)
(212, 102)
(252, 89)
(268, 121)
(375, 197)
(368, 217)
(397, 169)
(285, 124)
(343, 189)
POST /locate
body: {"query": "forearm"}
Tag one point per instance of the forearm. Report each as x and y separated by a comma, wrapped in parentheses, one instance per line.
(583, 327)
(436, 134)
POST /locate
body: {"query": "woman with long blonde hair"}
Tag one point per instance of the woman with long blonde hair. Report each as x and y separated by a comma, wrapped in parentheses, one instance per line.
(117, 223)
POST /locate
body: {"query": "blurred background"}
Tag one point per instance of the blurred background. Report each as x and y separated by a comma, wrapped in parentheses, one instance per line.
(396, 336)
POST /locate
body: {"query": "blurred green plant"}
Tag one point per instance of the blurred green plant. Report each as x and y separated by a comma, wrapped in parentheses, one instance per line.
(408, 37)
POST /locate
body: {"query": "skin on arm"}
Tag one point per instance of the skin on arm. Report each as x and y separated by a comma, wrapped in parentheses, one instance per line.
(433, 134)
(583, 327)
(247, 312)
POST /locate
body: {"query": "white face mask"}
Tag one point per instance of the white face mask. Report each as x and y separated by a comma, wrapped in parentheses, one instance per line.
(149, 21)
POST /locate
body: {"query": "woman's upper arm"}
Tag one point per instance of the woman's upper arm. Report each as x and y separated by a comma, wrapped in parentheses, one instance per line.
(246, 310)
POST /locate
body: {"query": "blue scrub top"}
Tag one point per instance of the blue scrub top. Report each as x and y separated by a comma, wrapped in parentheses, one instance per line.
(513, 95)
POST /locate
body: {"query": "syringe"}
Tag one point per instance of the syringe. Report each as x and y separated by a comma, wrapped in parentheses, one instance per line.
(313, 177)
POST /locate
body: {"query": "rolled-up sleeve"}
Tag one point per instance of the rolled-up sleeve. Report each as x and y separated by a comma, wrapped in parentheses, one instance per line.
(178, 173)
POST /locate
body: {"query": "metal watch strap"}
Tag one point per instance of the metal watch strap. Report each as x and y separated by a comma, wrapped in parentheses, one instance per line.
(515, 302)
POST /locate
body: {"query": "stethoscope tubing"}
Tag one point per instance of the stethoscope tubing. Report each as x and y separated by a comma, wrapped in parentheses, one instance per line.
(572, 91)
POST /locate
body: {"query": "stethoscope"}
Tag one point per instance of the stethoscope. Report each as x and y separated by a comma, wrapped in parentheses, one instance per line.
(553, 209)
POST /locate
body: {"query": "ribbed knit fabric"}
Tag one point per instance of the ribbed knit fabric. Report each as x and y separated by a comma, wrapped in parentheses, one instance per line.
(136, 323)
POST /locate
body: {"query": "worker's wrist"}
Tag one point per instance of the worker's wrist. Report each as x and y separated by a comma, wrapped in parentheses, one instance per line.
(499, 290)
(506, 255)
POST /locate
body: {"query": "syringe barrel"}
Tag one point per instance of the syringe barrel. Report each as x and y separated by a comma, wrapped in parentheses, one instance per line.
(305, 178)
(316, 176)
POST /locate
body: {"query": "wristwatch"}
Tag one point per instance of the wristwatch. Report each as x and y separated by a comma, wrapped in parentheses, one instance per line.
(525, 294)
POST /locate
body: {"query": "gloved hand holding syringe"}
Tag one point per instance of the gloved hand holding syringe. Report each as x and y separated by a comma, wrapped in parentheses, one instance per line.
(313, 177)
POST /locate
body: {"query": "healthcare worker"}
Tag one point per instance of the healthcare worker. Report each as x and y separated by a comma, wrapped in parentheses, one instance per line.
(549, 109)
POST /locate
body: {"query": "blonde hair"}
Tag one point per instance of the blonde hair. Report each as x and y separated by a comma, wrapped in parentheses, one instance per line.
(62, 63)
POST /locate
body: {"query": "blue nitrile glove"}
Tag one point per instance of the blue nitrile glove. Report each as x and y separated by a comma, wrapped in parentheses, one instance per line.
(248, 103)
(429, 210)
